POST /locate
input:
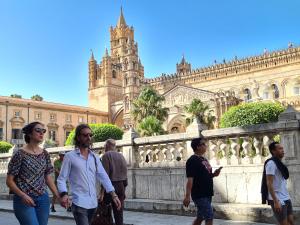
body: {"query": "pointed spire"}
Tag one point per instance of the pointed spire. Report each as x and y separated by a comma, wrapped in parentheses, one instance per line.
(92, 56)
(106, 52)
(183, 59)
(121, 21)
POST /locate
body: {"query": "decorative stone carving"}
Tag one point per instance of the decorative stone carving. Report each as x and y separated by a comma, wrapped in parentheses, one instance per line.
(246, 150)
(258, 145)
(235, 148)
(182, 95)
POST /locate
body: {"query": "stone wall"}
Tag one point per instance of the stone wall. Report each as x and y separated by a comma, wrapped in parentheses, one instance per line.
(156, 165)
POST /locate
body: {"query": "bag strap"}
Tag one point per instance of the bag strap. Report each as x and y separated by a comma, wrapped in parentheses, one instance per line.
(95, 162)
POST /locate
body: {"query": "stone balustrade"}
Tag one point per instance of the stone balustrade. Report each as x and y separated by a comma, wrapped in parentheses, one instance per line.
(156, 164)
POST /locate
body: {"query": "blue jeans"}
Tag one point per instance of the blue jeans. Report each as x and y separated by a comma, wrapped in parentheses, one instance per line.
(28, 215)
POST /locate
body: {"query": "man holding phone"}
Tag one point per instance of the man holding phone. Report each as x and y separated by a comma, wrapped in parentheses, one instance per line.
(200, 182)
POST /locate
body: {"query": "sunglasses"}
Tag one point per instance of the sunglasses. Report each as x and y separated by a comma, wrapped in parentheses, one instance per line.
(87, 135)
(40, 130)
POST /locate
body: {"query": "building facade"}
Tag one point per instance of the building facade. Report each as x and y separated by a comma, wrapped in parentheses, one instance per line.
(59, 119)
(117, 80)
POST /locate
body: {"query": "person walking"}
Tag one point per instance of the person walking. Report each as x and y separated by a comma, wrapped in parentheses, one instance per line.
(82, 168)
(29, 174)
(116, 167)
(274, 186)
(199, 184)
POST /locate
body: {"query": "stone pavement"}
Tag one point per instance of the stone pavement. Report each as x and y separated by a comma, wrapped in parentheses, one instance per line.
(61, 217)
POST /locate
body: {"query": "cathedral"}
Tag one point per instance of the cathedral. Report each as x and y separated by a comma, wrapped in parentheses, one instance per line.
(118, 79)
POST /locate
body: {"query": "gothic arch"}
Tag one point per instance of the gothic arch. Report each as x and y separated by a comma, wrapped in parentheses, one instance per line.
(245, 93)
(117, 118)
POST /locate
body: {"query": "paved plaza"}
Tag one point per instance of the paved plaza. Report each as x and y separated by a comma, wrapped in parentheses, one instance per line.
(61, 217)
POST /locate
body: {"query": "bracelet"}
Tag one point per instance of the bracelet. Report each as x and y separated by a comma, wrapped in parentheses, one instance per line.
(113, 194)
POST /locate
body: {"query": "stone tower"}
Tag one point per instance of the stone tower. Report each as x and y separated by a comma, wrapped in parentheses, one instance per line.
(124, 50)
(183, 67)
(119, 75)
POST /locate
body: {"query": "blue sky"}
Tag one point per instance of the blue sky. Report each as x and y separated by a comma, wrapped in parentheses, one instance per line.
(45, 45)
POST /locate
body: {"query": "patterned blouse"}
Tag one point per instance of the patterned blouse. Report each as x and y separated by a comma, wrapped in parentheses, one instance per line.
(30, 171)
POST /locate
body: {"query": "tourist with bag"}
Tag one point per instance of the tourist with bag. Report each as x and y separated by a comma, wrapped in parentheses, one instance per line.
(115, 165)
(29, 174)
(274, 186)
(82, 168)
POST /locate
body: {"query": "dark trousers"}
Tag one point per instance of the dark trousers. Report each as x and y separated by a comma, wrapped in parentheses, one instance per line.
(120, 191)
(81, 215)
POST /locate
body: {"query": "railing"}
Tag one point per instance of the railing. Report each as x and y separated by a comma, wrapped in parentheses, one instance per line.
(229, 146)
(162, 151)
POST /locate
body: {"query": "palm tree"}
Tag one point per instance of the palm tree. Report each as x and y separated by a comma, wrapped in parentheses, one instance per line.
(149, 103)
(150, 126)
(37, 98)
(201, 112)
(16, 96)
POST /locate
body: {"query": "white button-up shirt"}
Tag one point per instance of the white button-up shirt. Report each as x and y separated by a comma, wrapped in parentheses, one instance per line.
(82, 176)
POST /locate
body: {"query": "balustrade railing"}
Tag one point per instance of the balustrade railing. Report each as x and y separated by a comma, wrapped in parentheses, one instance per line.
(229, 146)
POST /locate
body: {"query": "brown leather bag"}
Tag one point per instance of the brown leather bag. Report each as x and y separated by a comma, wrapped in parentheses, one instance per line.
(103, 215)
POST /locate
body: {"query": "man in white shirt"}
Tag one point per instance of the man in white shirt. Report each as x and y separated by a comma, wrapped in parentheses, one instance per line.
(276, 176)
(82, 168)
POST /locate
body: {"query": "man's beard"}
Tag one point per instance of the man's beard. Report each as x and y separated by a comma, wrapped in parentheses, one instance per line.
(86, 145)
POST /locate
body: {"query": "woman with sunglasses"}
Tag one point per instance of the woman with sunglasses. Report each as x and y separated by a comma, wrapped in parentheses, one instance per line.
(29, 174)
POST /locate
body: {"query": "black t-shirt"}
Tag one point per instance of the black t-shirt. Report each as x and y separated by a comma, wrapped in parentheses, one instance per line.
(199, 168)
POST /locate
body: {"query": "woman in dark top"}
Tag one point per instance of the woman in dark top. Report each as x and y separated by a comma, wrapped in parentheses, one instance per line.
(29, 174)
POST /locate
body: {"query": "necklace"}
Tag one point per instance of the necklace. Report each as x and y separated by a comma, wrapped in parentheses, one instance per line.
(33, 150)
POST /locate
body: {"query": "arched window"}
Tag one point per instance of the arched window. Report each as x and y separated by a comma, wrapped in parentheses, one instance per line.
(247, 95)
(275, 91)
(114, 74)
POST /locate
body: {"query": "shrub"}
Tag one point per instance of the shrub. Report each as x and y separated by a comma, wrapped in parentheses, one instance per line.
(101, 132)
(251, 113)
(49, 143)
(4, 147)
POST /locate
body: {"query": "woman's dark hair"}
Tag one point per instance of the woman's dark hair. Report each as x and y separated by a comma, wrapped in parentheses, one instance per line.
(78, 130)
(272, 146)
(28, 129)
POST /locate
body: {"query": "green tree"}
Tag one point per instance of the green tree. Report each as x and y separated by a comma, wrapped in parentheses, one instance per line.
(15, 96)
(149, 103)
(4, 147)
(251, 113)
(201, 111)
(101, 132)
(37, 98)
(150, 126)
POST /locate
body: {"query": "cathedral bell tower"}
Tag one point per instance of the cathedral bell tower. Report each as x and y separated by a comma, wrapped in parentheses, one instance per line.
(124, 50)
(118, 76)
